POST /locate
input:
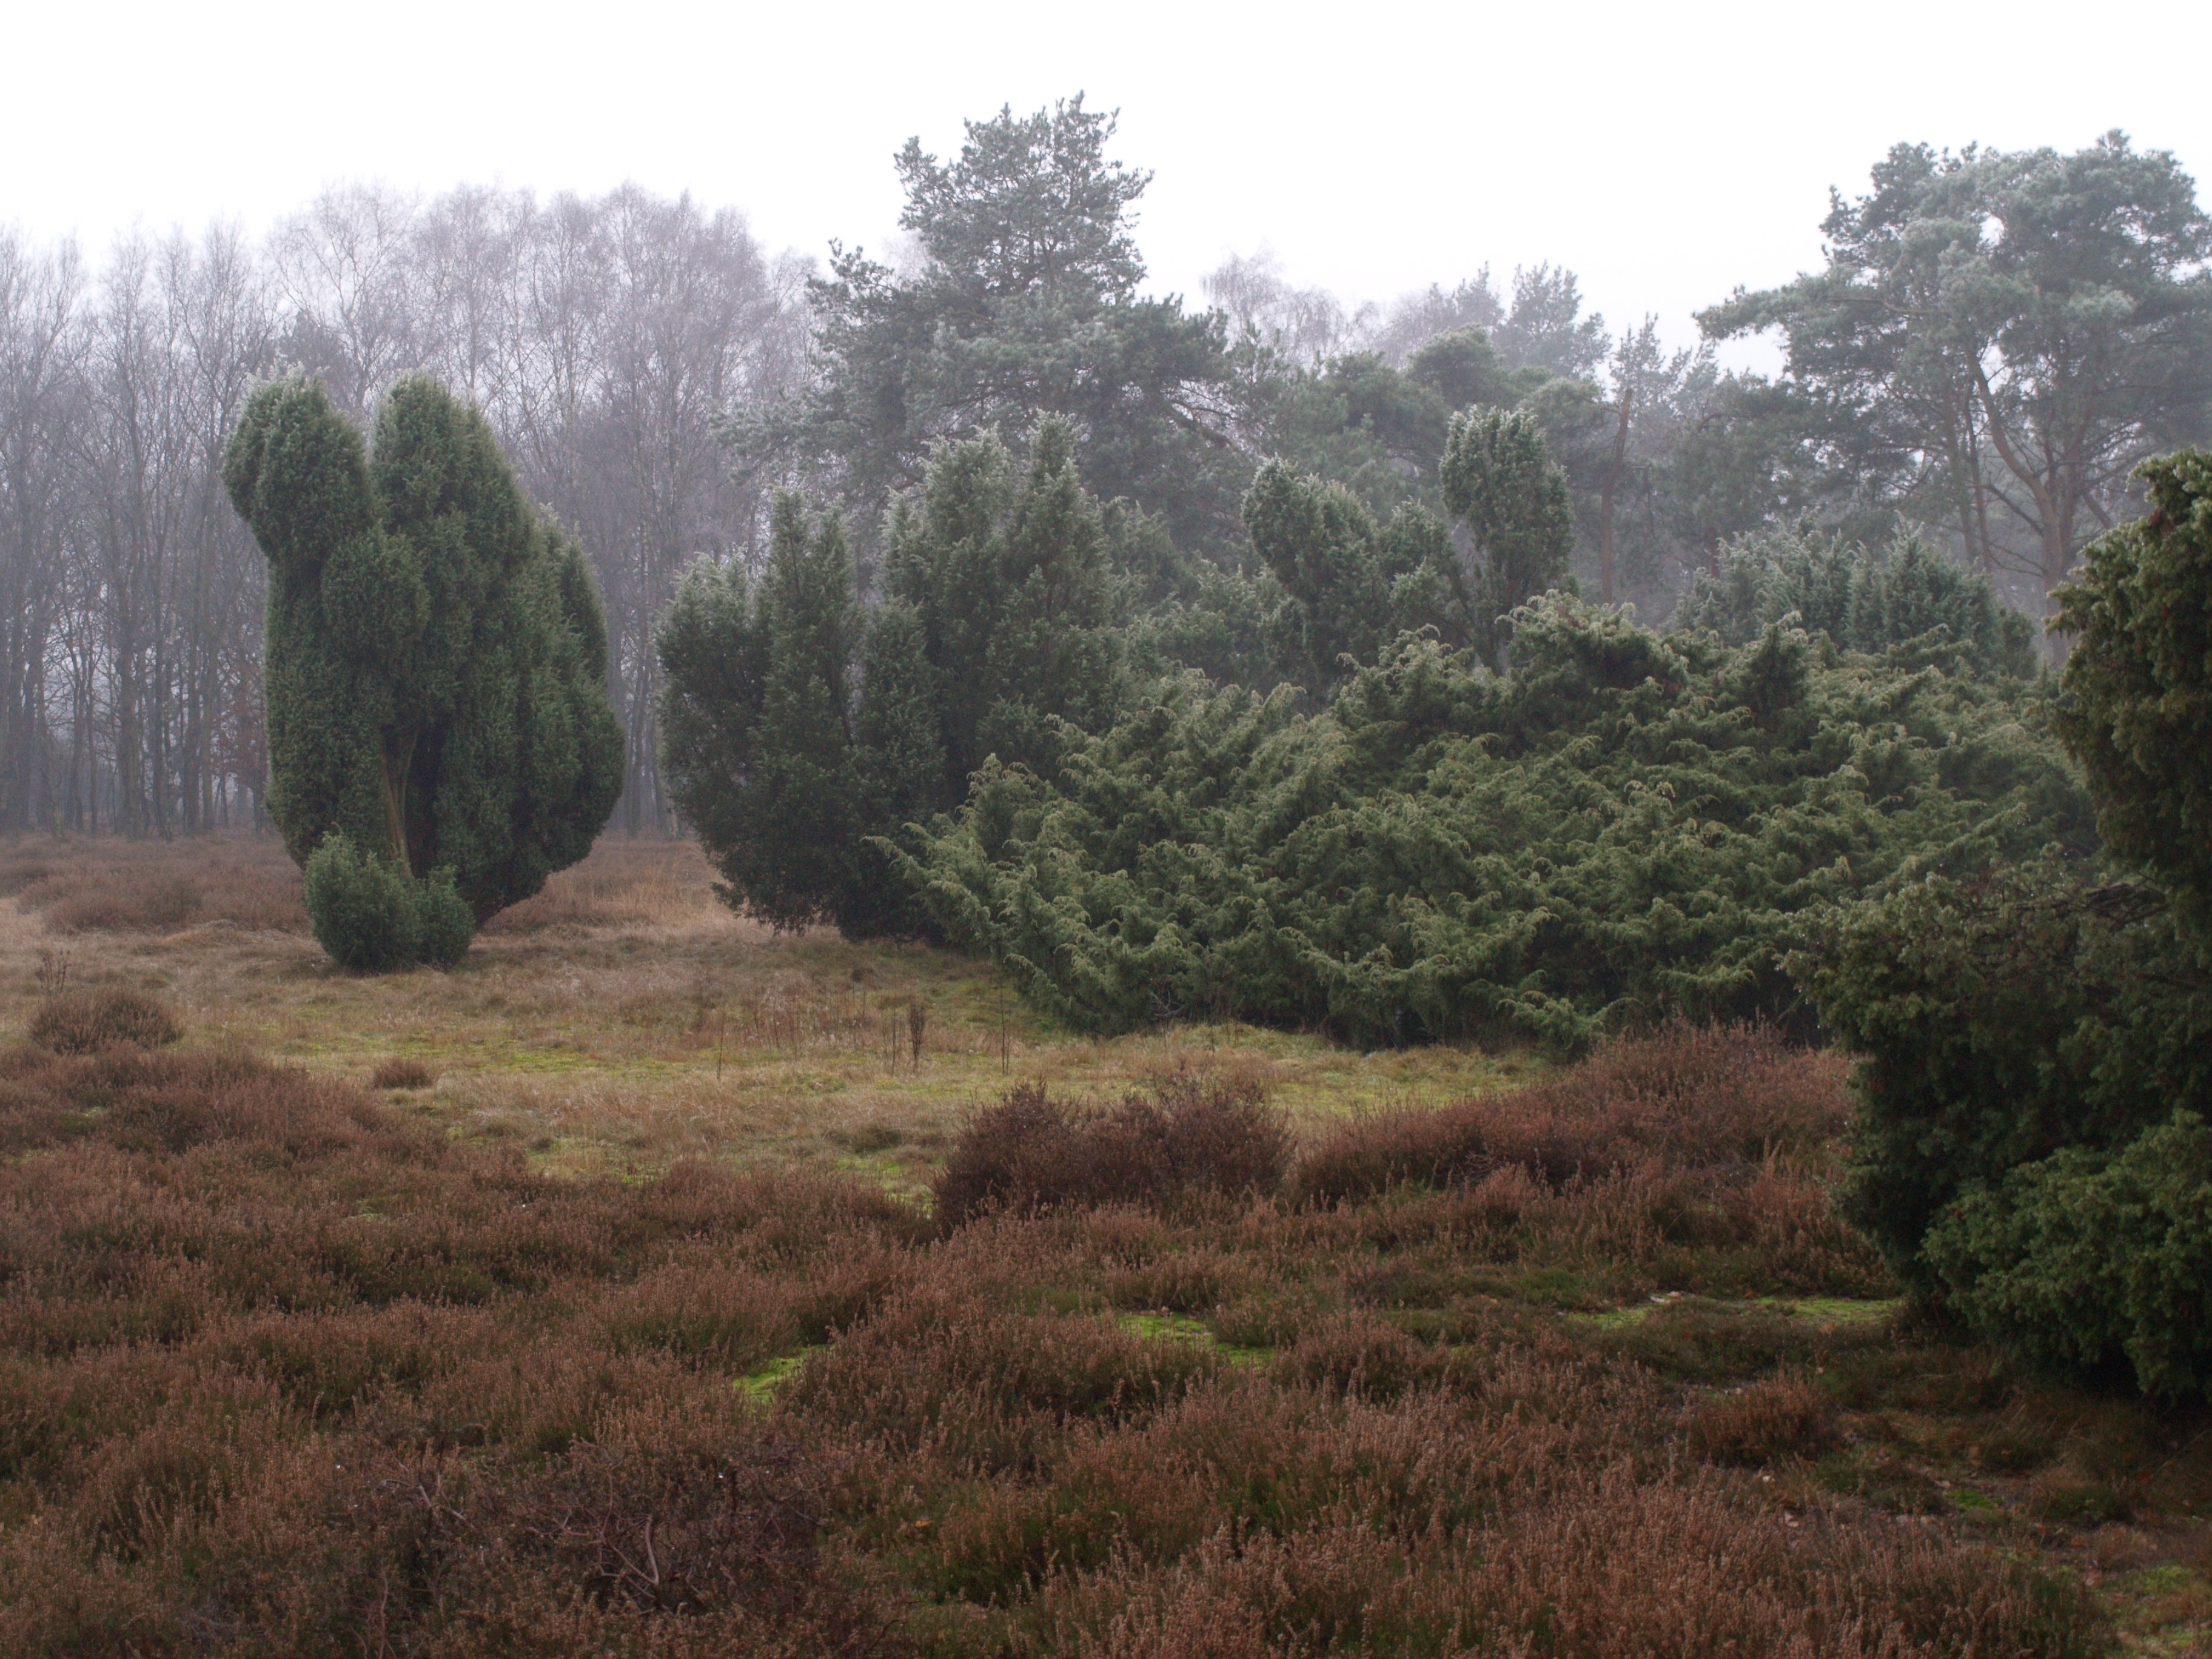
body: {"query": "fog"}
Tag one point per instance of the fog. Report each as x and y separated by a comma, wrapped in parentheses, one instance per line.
(1666, 154)
(1340, 233)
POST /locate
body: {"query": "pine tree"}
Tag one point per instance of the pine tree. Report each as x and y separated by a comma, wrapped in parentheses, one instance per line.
(2138, 710)
(437, 658)
(1498, 479)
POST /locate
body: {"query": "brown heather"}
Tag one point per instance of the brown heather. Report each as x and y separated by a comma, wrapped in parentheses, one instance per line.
(84, 1022)
(284, 1373)
(1182, 1137)
(1723, 1097)
(402, 1073)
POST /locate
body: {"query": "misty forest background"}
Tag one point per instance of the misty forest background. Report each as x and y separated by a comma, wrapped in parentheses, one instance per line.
(1993, 342)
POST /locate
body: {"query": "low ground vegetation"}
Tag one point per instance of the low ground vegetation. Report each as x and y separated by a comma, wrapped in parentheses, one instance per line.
(653, 1304)
(284, 1369)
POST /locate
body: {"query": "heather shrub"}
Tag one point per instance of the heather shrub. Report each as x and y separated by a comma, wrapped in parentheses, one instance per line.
(1778, 1416)
(85, 1022)
(997, 1387)
(1685, 1095)
(402, 1071)
(283, 1365)
(1183, 1137)
(1355, 1353)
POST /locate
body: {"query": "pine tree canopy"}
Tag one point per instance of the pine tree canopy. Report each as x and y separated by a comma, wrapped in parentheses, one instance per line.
(437, 657)
(1025, 305)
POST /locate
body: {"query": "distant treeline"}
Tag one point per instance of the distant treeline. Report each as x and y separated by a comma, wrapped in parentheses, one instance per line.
(1994, 342)
(604, 338)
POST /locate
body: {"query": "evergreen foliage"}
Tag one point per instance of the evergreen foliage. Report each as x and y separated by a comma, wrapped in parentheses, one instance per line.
(794, 725)
(1025, 303)
(2138, 712)
(2087, 1258)
(1625, 826)
(1007, 573)
(2036, 1043)
(756, 721)
(1904, 602)
(1499, 481)
(437, 658)
(2001, 1018)
(372, 916)
(1319, 542)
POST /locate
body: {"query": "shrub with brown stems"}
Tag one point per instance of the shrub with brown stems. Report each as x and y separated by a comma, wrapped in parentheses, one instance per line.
(402, 1071)
(1784, 1415)
(1181, 1136)
(1685, 1096)
(283, 1371)
(85, 1022)
(156, 886)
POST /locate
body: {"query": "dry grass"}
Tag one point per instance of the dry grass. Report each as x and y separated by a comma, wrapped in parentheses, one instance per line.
(155, 887)
(625, 1019)
(623, 884)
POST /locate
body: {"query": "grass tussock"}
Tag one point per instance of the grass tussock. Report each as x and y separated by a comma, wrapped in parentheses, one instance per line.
(85, 1022)
(153, 886)
(280, 1372)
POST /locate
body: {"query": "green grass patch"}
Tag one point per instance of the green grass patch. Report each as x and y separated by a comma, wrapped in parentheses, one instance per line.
(760, 1386)
(1182, 1327)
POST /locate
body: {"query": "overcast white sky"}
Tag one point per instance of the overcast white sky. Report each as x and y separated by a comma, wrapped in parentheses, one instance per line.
(1665, 152)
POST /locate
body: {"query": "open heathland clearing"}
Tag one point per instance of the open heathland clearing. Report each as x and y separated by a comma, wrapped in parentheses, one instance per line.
(654, 1284)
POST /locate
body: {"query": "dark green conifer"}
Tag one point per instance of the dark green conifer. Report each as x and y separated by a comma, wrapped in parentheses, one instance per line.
(1499, 480)
(436, 658)
(799, 736)
(1319, 541)
(2138, 710)
(1008, 574)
